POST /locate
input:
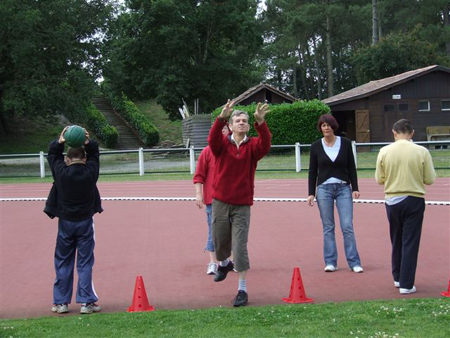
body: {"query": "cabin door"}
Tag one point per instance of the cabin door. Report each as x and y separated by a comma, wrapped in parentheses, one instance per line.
(362, 126)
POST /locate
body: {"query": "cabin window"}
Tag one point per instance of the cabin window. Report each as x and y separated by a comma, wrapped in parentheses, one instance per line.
(389, 107)
(445, 105)
(424, 105)
(403, 107)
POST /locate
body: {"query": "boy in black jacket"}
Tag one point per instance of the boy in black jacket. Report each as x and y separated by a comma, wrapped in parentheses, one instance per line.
(74, 199)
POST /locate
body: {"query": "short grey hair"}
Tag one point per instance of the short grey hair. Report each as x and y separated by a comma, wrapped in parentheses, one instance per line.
(237, 113)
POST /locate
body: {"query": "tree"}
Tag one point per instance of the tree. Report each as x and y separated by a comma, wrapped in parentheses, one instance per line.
(49, 55)
(185, 49)
(433, 16)
(309, 43)
(395, 54)
(375, 27)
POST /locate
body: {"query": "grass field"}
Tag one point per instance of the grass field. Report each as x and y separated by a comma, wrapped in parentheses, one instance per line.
(381, 319)
(28, 137)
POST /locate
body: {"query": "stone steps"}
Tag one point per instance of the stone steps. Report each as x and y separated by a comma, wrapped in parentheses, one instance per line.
(127, 137)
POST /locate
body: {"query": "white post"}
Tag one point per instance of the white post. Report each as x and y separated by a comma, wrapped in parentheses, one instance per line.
(354, 153)
(42, 163)
(141, 161)
(192, 159)
(298, 159)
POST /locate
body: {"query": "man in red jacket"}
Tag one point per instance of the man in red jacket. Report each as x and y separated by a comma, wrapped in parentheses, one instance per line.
(236, 156)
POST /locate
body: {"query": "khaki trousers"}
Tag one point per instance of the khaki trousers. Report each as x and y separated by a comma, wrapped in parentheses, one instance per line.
(230, 227)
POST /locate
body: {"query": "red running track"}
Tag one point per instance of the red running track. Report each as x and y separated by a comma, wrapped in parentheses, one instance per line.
(164, 241)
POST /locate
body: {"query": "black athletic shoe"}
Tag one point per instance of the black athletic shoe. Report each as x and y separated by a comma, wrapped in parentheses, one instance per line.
(241, 299)
(222, 272)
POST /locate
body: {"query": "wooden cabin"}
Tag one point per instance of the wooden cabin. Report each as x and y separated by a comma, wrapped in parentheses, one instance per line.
(367, 113)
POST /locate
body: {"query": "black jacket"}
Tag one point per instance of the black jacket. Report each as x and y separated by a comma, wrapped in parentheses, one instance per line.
(74, 195)
(322, 168)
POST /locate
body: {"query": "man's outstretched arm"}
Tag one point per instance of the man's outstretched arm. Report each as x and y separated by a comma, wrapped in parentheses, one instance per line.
(215, 138)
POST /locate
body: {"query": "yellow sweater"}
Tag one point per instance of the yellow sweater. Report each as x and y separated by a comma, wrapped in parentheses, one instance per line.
(404, 168)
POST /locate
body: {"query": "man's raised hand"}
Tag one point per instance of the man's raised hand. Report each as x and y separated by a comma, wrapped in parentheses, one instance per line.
(260, 112)
(227, 110)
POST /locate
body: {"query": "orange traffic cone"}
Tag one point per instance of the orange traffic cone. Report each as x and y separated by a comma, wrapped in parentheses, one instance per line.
(446, 293)
(297, 294)
(140, 300)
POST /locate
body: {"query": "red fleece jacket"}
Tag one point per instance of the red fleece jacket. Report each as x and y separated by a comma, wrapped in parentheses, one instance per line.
(204, 173)
(234, 175)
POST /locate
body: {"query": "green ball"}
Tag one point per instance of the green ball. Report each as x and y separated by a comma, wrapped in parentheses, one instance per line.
(75, 136)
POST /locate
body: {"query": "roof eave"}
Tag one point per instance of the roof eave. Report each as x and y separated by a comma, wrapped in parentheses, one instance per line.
(387, 86)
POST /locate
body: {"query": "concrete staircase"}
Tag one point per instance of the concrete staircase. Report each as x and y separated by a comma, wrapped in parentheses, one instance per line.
(127, 137)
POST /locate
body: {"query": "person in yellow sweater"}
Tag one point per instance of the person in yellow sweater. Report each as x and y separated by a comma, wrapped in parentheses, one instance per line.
(404, 168)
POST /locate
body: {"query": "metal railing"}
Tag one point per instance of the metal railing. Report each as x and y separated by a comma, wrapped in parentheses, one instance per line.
(182, 160)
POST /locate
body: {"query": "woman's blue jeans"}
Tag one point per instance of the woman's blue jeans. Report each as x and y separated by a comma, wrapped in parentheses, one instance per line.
(209, 241)
(342, 194)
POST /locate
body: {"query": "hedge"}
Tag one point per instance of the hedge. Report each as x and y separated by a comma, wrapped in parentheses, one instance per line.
(289, 123)
(99, 125)
(146, 130)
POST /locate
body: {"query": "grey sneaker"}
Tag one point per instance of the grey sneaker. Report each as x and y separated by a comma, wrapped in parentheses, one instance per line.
(88, 308)
(212, 269)
(60, 308)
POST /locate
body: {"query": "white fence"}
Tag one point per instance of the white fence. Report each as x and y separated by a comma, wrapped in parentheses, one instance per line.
(142, 161)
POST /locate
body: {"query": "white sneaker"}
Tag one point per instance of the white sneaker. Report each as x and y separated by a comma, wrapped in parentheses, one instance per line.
(396, 284)
(408, 291)
(88, 308)
(357, 269)
(212, 269)
(60, 308)
(330, 268)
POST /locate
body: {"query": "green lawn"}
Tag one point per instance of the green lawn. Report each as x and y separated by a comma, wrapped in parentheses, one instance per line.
(383, 319)
(260, 175)
(32, 136)
(28, 137)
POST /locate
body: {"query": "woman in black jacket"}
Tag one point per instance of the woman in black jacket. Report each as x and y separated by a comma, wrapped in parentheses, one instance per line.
(332, 169)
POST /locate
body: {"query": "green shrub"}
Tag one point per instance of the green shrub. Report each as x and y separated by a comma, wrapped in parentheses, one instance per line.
(146, 130)
(289, 123)
(97, 122)
(110, 135)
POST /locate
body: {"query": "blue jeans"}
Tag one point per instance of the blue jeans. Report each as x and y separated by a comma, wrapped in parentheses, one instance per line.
(209, 241)
(342, 194)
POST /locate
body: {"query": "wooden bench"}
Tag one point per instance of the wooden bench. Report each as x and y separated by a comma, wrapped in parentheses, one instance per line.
(438, 133)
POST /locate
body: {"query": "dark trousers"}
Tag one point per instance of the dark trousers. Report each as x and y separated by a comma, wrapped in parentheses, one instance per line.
(74, 238)
(405, 222)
